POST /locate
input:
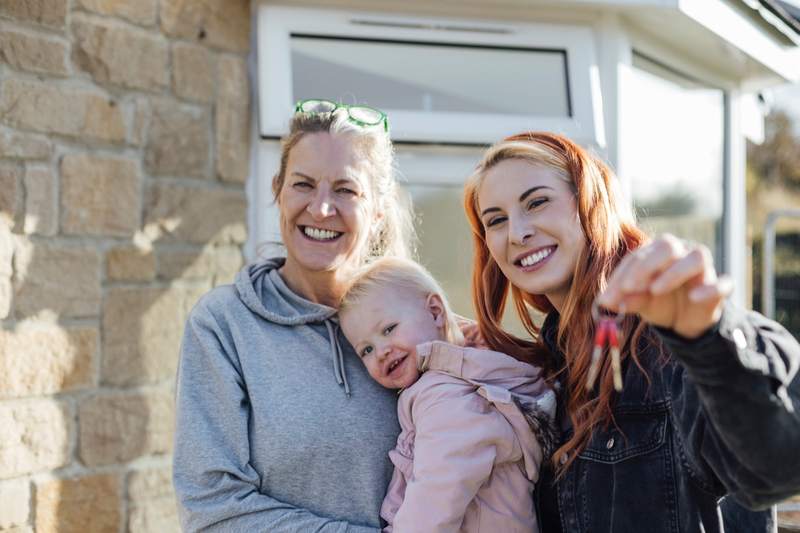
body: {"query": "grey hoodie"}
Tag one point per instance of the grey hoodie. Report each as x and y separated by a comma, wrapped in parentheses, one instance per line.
(278, 426)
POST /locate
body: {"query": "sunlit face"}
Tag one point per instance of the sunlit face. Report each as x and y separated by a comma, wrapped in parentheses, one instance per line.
(532, 227)
(385, 328)
(326, 204)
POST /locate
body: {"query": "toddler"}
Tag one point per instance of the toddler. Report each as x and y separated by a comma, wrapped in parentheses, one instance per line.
(473, 422)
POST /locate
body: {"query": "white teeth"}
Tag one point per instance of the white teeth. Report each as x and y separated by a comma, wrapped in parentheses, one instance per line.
(320, 234)
(535, 258)
(393, 365)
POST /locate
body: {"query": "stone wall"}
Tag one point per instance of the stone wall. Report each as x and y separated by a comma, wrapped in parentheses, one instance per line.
(124, 148)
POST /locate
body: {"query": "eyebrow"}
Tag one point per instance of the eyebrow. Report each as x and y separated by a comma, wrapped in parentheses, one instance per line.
(346, 179)
(521, 198)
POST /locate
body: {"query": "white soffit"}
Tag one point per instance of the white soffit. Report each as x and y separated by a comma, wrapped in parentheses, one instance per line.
(733, 26)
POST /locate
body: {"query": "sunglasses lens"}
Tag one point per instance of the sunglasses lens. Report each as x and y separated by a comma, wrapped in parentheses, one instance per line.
(367, 115)
(317, 106)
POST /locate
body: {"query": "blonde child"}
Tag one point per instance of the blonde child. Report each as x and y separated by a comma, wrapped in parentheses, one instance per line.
(470, 447)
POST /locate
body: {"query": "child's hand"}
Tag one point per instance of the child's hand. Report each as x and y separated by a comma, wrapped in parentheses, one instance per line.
(670, 284)
(472, 333)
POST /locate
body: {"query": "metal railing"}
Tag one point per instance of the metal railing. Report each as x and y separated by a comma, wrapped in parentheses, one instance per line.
(768, 309)
(768, 260)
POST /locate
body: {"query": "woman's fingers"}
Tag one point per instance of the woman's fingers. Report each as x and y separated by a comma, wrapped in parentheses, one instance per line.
(693, 267)
(712, 292)
(650, 261)
(636, 271)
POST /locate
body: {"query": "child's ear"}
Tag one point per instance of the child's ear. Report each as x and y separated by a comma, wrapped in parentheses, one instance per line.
(435, 307)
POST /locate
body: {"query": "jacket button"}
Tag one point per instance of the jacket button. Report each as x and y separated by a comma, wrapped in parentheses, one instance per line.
(610, 443)
(739, 339)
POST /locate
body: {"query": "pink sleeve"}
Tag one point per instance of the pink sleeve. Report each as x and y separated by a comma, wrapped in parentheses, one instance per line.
(458, 440)
(487, 366)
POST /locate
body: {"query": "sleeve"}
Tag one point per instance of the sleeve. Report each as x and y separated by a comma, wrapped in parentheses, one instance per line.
(215, 484)
(735, 399)
(458, 441)
(486, 366)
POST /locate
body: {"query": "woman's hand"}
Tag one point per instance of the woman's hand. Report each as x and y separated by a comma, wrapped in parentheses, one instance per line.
(471, 332)
(670, 284)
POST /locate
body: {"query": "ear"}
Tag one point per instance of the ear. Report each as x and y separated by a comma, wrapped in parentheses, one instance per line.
(435, 307)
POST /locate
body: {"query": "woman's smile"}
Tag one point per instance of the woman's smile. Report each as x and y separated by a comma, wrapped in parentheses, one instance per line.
(534, 259)
(320, 234)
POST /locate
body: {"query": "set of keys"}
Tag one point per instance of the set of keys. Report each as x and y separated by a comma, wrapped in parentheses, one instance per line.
(607, 333)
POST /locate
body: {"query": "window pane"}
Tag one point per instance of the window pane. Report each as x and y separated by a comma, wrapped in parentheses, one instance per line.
(445, 247)
(672, 153)
(431, 77)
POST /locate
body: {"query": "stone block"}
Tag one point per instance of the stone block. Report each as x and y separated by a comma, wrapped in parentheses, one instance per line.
(119, 427)
(196, 215)
(36, 436)
(193, 72)
(48, 108)
(121, 56)
(142, 329)
(41, 205)
(6, 269)
(99, 195)
(151, 502)
(46, 358)
(51, 13)
(218, 264)
(15, 507)
(88, 504)
(130, 263)
(10, 193)
(222, 24)
(142, 12)
(15, 145)
(233, 120)
(62, 279)
(33, 53)
(178, 141)
(142, 110)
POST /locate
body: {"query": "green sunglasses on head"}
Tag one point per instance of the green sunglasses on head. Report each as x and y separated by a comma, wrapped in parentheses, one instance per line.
(361, 115)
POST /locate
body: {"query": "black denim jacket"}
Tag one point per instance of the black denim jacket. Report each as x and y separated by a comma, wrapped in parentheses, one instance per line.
(713, 436)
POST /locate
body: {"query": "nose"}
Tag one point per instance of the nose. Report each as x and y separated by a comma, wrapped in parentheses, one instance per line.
(383, 350)
(520, 230)
(321, 206)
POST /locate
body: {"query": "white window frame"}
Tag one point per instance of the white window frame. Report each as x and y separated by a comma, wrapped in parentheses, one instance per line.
(276, 24)
(734, 222)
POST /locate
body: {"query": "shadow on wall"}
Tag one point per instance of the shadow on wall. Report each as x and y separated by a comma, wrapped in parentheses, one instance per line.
(88, 354)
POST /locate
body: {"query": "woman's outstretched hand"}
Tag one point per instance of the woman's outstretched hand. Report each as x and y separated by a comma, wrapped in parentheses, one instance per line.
(671, 284)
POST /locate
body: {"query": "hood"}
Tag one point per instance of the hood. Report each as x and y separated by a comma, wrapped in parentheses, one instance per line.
(263, 291)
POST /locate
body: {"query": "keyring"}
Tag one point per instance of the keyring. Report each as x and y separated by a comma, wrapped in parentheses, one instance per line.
(606, 334)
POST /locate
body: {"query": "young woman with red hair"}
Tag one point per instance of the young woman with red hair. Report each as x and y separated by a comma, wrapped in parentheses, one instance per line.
(707, 407)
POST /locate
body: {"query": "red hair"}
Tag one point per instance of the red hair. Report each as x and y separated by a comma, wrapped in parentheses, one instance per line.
(610, 232)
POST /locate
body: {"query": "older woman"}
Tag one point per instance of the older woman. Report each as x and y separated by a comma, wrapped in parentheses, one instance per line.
(279, 426)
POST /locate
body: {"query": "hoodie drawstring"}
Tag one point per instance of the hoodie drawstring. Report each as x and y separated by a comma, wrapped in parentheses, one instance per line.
(338, 356)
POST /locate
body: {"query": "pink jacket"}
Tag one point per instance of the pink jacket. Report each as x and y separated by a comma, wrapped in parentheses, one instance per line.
(466, 458)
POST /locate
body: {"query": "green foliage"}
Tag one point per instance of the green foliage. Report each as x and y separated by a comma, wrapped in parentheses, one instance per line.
(777, 160)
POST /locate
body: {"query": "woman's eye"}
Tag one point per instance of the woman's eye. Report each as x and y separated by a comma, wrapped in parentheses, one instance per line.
(303, 185)
(366, 351)
(536, 202)
(345, 190)
(388, 329)
(495, 221)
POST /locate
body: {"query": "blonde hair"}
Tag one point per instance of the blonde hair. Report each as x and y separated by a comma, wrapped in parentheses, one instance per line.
(394, 234)
(401, 274)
